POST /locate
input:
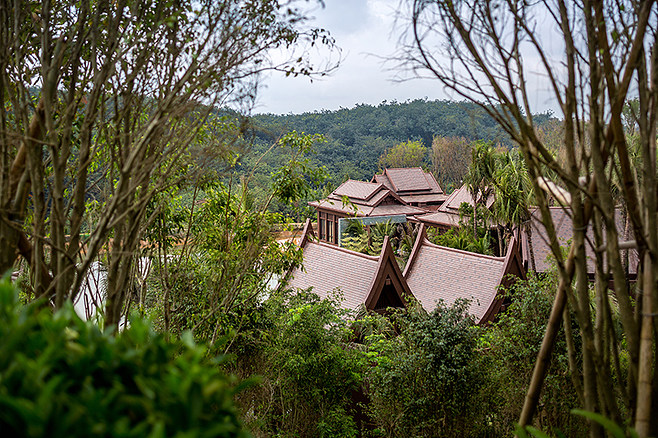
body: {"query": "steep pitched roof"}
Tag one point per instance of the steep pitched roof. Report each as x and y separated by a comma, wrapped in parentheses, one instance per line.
(445, 219)
(412, 184)
(358, 190)
(368, 199)
(373, 281)
(438, 273)
(458, 197)
(564, 229)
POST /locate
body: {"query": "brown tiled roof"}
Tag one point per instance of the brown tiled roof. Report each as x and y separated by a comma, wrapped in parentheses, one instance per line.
(327, 267)
(360, 190)
(367, 200)
(438, 273)
(564, 230)
(409, 179)
(365, 210)
(458, 197)
(425, 198)
(359, 277)
(439, 218)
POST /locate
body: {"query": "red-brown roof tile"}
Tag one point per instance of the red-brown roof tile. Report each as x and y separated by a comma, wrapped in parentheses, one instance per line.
(438, 273)
(564, 229)
(439, 218)
(460, 196)
(361, 278)
(409, 180)
(327, 267)
(360, 190)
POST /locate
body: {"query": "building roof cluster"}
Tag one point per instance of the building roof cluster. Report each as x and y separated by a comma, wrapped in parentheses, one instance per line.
(365, 199)
(433, 273)
(413, 185)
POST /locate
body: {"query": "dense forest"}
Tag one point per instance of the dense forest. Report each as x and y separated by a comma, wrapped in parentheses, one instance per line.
(357, 138)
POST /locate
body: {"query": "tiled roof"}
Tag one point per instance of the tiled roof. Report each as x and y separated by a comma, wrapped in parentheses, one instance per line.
(362, 279)
(409, 179)
(360, 190)
(327, 267)
(440, 218)
(436, 273)
(440, 273)
(432, 197)
(564, 230)
(367, 200)
(392, 209)
(458, 197)
(383, 179)
(361, 210)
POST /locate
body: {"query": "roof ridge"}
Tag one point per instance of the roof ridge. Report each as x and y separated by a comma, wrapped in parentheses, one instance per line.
(345, 250)
(426, 242)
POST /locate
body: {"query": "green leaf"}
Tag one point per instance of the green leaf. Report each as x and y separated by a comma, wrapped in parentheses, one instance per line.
(609, 425)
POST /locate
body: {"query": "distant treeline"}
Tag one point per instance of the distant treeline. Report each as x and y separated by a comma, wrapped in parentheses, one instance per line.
(357, 137)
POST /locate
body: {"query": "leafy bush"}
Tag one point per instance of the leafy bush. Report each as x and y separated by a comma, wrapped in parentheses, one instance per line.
(424, 381)
(62, 377)
(309, 372)
(509, 349)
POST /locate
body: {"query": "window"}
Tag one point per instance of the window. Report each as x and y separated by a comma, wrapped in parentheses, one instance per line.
(330, 230)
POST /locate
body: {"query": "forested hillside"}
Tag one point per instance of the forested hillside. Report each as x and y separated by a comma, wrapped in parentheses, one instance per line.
(357, 137)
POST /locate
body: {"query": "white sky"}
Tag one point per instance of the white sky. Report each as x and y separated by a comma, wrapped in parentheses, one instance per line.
(365, 31)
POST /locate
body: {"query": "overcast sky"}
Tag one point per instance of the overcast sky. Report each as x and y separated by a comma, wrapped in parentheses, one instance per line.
(365, 31)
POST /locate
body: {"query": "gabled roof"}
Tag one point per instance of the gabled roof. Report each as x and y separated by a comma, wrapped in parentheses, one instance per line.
(445, 219)
(358, 190)
(436, 273)
(563, 223)
(412, 184)
(408, 179)
(362, 279)
(458, 197)
(368, 199)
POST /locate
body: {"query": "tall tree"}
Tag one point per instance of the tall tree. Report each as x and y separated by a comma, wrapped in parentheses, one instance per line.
(479, 178)
(608, 52)
(102, 100)
(451, 157)
(405, 154)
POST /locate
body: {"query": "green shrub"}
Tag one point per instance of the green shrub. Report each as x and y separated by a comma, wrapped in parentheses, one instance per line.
(62, 377)
(509, 350)
(309, 371)
(424, 381)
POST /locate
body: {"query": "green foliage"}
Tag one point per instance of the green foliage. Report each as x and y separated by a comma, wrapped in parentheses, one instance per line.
(308, 371)
(424, 381)
(509, 349)
(235, 256)
(610, 426)
(296, 179)
(513, 190)
(368, 239)
(406, 154)
(463, 237)
(62, 377)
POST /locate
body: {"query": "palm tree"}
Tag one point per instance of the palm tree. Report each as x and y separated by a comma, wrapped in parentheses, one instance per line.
(513, 190)
(480, 176)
